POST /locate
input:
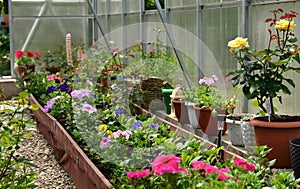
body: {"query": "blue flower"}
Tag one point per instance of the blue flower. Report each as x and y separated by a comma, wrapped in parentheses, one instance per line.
(64, 87)
(95, 95)
(136, 125)
(119, 112)
(50, 89)
(153, 125)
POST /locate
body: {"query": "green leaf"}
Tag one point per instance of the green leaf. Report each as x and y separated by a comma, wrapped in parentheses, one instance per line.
(291, 82)
(270, 163)
(255, 103)
(7, 110)
(293, 40)
(33, 107)
(285, 90)
(23, 94)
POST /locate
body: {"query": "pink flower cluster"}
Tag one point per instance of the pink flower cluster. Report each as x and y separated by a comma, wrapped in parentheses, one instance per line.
(210, 169)
(119, 133)
(53, 77)
(138, 174)
(244, 165)
(81, 93)
(209, 80)
(163, 164)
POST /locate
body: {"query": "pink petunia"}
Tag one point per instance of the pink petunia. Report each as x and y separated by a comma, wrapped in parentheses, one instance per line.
(89, 108)
(243, 164)
(19, 54)
(183, 170)
(138, 174)
(165, 164)
(210, 169)
(117, 134)
(223, 176)
(198, 165)
(105, 142)
(127, 134)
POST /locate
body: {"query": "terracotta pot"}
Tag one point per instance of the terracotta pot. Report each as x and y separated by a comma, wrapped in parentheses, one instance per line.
(181, 111)
(207, 122)
(276, 135)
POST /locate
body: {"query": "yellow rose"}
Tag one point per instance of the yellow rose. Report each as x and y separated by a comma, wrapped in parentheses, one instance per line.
(285, 25)
(102, 128)
(238, 42)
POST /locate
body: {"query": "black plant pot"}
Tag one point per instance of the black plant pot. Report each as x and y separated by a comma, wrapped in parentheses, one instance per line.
(295, 156)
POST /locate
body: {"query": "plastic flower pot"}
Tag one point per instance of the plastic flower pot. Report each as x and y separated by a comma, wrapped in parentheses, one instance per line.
(295, 156)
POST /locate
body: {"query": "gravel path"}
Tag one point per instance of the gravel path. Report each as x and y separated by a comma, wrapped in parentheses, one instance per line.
(50, 173)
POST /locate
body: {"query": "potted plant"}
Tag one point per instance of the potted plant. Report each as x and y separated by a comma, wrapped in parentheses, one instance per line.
(26, 62)
(263, 77)
(208, 104)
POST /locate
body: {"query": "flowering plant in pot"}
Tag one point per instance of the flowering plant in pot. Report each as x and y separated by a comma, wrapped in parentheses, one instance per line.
(262, 75)
(208, 103)
(26, 62)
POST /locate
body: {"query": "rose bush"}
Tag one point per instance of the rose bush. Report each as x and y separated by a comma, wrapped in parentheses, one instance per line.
(263, 74)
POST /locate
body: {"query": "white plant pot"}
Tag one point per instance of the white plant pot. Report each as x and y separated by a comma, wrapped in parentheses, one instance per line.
(192, 115)
(235, 132)
(248, 136)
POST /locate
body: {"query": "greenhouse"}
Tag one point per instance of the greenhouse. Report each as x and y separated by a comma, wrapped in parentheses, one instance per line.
(149, 94)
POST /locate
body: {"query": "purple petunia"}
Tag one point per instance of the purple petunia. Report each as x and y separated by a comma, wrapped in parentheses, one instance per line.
(153, 125)
(64, 87)
(50, 89)
(136, 125)
(50, 104)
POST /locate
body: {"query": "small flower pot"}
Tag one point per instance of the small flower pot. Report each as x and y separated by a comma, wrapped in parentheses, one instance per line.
(295, 156)
(181, 112)
(192, 114)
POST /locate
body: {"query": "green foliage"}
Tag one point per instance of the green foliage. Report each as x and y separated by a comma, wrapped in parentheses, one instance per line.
(14, 170)
(4, 55)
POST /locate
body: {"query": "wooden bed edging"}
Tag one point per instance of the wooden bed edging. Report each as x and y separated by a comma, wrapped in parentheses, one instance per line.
(80, 168)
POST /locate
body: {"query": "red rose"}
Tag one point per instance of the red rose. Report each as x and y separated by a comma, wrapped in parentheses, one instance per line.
(19, 54)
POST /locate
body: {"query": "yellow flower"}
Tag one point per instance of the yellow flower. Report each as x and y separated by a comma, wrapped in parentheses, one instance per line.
(285, 25)
(110, 133)
(102, 128)
(238, 42)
